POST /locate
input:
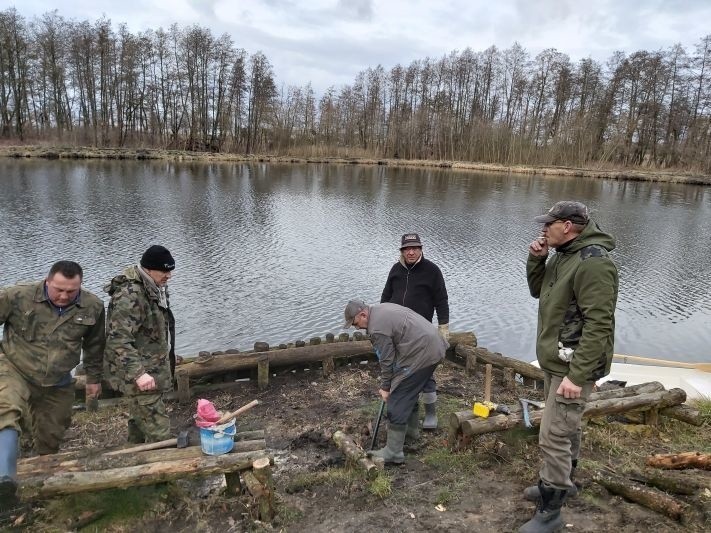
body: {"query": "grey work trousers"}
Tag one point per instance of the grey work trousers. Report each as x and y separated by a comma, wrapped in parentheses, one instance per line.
(561, 432)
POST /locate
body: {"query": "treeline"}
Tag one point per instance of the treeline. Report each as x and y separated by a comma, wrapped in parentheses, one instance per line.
(82, 82)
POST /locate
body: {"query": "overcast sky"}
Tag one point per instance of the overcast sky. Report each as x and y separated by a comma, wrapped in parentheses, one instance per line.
(328, 41)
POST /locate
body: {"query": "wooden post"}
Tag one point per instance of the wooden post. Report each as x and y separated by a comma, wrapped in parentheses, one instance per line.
(343, 337)
(329, 366)
(487, 383)
(508, 378)
(330, 337)
(234, 485)
(261, 346)
(262, 471)
(300, 344)
(314, 341)
(183, 380)
(263, 372)
(470, 368)
(651, 417)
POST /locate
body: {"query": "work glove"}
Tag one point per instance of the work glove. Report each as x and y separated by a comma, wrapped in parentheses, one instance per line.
(444, 331)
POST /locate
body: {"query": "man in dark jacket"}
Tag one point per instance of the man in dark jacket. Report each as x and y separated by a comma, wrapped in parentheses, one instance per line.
(140, 341)
(577, 293)
(417, 283)
(409, 349)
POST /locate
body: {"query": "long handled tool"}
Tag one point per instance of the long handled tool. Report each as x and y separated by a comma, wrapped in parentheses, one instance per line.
(233, 414)
(703, 367)
(377, 425)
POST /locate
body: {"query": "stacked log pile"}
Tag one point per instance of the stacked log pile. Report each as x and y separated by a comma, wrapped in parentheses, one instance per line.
(644, 397)
(90, 469)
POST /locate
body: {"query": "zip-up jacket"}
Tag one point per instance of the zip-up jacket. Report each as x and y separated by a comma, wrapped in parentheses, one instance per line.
(403, 341)
(419, 287)
(577, 292)
(43, 345)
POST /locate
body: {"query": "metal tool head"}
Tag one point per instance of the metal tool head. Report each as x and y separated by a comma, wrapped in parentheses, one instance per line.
(183, 440)
(534, 403)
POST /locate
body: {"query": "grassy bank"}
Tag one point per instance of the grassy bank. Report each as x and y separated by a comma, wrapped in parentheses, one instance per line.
(630, 174)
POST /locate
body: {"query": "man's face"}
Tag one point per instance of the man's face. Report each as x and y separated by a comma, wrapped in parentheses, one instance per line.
(160, 277)
(360, 321)
(557, 232)
(62, 290)
(412, 254)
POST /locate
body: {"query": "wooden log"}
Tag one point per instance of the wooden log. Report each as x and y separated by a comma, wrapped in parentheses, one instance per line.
(670, 480)
(51, 464)
(458, 417)
(500, 361)
(250, 435)
(683, 412)
(277, 358)
(263, 372)
(262, 472)
(478, 426)
(650, 498)
(254, 487)
(133, 476)
(461, 337)
(680, 461)
(356, 455)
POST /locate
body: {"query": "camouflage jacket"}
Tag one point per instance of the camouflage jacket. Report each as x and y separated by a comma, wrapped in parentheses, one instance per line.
(45, 346)
(138, 338)
(577, 292)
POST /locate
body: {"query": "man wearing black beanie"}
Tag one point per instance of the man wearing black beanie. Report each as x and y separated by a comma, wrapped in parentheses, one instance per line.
(140, 347)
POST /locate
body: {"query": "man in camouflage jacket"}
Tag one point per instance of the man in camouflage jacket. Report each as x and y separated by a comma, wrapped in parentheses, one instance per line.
(577, 294)
(139, 342)
(46, 326)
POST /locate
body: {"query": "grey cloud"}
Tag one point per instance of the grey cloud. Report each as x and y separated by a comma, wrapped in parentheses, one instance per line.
(361, 9)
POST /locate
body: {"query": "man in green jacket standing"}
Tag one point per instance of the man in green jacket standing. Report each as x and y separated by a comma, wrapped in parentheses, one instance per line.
(140, 340)
(47, 325)
(577, 293)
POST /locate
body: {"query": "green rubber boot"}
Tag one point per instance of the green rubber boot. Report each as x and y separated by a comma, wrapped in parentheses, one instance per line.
(392, 453)
(413, 425)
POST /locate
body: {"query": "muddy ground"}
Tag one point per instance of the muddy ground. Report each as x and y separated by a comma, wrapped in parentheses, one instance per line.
(474, 489)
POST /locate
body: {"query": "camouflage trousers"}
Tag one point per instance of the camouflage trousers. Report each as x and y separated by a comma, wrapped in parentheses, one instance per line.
(149, 421)
(561, 432)
(45, 411)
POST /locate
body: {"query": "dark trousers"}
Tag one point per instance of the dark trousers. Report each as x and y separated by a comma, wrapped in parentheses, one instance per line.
(403, 400)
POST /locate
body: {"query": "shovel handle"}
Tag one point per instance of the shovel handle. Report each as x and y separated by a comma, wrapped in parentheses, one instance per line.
(233, 414)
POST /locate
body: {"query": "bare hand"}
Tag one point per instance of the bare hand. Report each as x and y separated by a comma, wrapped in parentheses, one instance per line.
(145, 382)
(92, 390)
(568, 389)
(539, 247)
(384, 394)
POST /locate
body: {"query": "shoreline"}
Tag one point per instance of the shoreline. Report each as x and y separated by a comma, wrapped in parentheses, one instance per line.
(627, 174)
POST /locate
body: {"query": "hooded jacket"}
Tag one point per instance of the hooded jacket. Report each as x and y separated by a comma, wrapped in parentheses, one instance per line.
(419, 287)
(577, 292)
(138, 336)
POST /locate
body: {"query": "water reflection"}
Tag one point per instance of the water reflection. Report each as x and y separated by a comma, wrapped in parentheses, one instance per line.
(272, 252)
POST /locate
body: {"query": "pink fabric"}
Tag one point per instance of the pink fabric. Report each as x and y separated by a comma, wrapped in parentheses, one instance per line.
(206, 415)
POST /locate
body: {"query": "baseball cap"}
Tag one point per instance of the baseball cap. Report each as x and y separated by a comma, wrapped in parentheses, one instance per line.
(576, 212)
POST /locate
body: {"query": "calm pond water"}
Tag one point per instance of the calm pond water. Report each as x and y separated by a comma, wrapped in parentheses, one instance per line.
(273, 252)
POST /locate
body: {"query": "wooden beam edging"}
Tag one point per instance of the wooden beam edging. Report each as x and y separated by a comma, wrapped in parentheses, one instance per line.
(500, 361)
(133, 476)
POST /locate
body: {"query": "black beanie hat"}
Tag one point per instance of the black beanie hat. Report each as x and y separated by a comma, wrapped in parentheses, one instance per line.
(158, 258)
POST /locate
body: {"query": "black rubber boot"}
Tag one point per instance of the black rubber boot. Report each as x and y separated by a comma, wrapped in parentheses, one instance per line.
(547, 518)
(532, 493)
(392, 453)
(135, 435)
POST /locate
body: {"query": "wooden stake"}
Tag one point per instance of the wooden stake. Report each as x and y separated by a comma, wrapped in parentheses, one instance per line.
(487, 383)
(329, 366)
(263, 372)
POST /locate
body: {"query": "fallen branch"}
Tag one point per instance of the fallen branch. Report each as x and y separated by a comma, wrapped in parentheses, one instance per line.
(650, 498)
(685, 413)
(355, 454)
(520, 367)
(670, 481)
(679, 461)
